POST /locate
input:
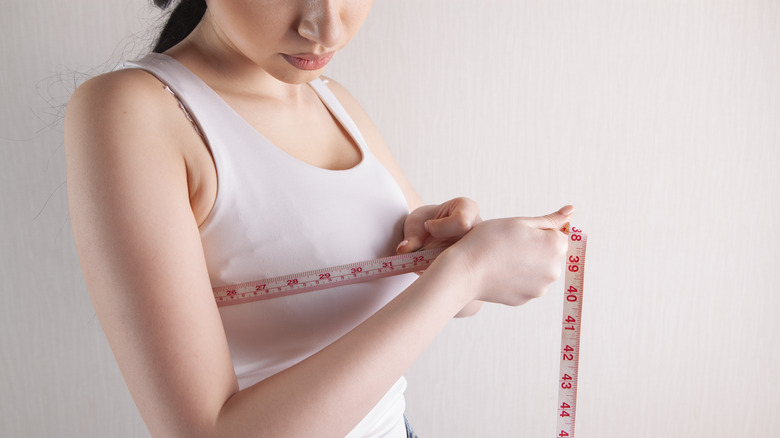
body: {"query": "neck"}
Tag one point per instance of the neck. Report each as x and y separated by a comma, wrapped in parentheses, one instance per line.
(209, 54)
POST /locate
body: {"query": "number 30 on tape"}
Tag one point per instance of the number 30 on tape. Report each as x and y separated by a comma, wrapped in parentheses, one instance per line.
(418, 261)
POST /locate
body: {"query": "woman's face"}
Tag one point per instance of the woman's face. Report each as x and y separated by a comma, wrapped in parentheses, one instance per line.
(292, 40)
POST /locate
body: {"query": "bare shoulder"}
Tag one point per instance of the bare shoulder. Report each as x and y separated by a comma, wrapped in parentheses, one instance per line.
(124, 118)
(115, 90)
(118, 145)
(113, 105)
(124, 126)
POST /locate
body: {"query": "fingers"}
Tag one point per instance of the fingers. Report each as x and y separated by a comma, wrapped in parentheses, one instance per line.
(410, 244)
(554, 221)
(439, 225)
(415, 234)
(452, 226)
(454, 218)
(450, 221)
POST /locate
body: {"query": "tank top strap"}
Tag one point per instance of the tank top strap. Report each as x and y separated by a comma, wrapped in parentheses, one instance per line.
(211, 114)
(201, 103)
(334, 106)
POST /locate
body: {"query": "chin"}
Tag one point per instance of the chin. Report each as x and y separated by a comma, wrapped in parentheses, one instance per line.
(298, 76)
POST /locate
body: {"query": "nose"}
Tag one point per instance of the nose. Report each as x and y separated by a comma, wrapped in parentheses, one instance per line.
(321, 23)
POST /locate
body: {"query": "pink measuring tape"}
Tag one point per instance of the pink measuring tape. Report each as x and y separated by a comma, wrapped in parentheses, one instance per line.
(570, 332)
(310, 281)
(418, 261)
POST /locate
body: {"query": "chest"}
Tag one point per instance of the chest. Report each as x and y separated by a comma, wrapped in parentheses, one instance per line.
(308, 131)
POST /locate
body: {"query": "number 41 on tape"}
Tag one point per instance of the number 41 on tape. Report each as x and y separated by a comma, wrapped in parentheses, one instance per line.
(570, 333)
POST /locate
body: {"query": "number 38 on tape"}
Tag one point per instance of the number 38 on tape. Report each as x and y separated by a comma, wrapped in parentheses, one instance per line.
(570, 332)
(419, 261)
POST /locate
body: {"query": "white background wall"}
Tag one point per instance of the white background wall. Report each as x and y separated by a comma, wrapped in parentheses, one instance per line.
(659, 120)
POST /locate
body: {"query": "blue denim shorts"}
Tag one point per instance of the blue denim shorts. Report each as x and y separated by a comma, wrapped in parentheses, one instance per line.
(409, 432)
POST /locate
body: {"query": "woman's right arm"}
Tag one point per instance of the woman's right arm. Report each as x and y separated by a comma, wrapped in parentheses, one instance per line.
(143, 264)
(140, 251)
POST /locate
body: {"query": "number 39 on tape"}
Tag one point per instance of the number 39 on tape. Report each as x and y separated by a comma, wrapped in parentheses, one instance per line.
(372, 269)
(570, 333)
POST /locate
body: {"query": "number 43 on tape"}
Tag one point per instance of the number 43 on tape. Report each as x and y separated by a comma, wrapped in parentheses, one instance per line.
(418, 261)
(570, 333)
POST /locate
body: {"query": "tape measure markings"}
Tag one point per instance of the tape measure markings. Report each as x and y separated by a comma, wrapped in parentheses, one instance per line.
(570, 333)
(324, 278)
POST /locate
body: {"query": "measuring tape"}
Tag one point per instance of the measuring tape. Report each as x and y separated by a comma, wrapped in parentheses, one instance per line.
(418, 261)
(570, 332)
(325, 278)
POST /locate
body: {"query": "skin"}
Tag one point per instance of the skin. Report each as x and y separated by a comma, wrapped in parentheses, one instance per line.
(141, 181)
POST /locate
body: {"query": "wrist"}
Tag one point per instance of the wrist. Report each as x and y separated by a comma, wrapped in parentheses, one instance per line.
(459, 267)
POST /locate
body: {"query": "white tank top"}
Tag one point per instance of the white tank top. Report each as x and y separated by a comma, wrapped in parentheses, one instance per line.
(276, 215)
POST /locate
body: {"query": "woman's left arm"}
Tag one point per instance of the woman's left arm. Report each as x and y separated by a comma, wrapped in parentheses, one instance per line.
(427, 226)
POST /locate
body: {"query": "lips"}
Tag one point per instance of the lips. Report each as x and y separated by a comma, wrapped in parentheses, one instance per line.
(308, 61)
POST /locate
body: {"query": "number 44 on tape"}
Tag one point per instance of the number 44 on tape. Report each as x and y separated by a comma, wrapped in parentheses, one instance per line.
(418, 261)
(570, 333)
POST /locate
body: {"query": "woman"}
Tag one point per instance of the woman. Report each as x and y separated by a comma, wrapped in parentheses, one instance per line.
(226, 158)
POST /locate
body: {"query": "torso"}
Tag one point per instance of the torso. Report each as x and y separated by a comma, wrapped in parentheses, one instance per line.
(307, 131)
(163, 134)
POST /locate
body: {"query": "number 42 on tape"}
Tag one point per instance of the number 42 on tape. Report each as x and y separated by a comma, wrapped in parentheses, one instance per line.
(418, 261)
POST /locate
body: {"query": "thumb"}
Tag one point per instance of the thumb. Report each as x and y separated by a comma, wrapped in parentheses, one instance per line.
(553, 221)
(456, 225)
(415, 235)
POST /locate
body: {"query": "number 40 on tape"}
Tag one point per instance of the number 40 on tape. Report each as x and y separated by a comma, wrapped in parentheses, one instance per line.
(570, 333)
(414, 262)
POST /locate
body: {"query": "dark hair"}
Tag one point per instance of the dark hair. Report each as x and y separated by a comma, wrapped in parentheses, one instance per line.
(184, 18)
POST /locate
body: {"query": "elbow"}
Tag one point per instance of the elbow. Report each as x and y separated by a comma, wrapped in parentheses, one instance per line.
(471, 309)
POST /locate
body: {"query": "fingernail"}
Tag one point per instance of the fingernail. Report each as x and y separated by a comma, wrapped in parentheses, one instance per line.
(427, 227)
(401, 244)
(567, 210)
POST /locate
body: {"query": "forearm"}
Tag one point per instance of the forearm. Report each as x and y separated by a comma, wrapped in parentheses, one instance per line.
(330, 392)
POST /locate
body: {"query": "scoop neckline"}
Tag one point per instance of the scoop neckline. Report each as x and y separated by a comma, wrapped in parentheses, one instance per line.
(356, 140)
